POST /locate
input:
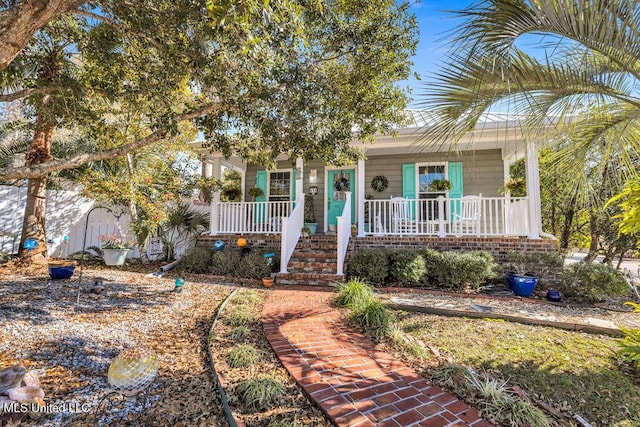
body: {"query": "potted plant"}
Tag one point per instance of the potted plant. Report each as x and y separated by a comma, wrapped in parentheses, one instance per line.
(61, 269)
(269, 266)
(310, 215)
(354, 230)
(114, 249)
(254, 193)
(440, 185)
(525, 268)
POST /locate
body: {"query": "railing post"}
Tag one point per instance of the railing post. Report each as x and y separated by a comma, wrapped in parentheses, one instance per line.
(340, 266)
(441, 223)
(283, 246)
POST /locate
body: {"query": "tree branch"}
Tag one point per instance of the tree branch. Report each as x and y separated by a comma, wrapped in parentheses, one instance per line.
(18, 23)
(48, 167)
(122, 27)
(9, 97)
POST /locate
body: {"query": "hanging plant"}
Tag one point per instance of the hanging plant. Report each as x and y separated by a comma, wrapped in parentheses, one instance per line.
(440, 185)
(379, 183)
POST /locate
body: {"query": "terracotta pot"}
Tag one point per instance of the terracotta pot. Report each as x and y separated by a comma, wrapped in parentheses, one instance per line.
(267, 282)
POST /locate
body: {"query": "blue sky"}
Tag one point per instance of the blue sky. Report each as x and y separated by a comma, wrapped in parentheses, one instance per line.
(434, 23)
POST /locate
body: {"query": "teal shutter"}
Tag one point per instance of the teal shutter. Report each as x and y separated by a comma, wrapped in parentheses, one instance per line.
(261, 182)
(409, 181)
(409, 185)
(259, 213)
(457, 188)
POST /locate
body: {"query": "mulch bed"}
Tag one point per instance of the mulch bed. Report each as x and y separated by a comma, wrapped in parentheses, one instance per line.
(292, 409)
(71, 350)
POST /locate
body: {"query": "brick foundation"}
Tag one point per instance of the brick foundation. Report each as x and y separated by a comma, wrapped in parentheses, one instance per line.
(262, 242)
(496, 246)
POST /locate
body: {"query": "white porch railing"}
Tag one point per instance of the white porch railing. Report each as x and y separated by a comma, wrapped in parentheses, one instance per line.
(443, 216)
(291, 230)
(252, 217)
(344, 232)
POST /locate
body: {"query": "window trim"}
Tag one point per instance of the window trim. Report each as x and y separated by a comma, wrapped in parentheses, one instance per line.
(269, 172)
(446, 176)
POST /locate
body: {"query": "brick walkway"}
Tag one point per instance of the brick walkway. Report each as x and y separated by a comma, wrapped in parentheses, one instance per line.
(353, 382)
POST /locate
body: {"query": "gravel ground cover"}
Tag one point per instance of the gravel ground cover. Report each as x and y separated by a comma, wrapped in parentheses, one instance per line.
(70, 349)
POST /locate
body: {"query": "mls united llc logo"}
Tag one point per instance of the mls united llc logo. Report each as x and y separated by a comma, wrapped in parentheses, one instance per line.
(47, 408)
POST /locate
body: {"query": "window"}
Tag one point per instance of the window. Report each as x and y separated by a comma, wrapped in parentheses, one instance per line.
(279, 186)
(427, 173)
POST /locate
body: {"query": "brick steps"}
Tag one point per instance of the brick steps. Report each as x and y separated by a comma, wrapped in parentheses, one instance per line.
(314, 262)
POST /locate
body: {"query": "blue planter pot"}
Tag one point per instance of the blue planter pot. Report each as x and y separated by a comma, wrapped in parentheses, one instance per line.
(521, 285)
(312, 227)
(61, 272)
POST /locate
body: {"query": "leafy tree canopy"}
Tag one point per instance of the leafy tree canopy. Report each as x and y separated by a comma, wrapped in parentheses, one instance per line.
(258, 78)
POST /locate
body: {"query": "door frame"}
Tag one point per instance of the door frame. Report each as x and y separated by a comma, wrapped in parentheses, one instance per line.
(325, 208)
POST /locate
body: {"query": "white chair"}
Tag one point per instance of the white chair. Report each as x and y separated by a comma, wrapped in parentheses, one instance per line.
(403, 220)
(467, 219)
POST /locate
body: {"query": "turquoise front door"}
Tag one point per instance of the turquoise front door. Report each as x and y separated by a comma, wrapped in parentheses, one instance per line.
(338, 183)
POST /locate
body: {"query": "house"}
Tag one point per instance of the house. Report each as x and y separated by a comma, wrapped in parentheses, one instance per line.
(404, 194)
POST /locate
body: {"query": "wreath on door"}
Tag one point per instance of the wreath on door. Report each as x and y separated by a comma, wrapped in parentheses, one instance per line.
(342, 184)
(379, 183)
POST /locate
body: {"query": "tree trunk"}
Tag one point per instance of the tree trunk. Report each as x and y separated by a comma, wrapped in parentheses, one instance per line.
(33, 224)
(569, 215)
(133, 211)
(595, 234)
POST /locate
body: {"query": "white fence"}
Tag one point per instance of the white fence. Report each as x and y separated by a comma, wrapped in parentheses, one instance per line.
(66, 215)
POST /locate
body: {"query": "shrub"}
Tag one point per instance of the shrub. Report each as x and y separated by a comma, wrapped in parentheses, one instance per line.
(594, 282)
(432, 264)
(243, 355)
(239, 316)
(374, 317)
(197, 260)
(260, 392)
(406, 267)
(253, 266)
(537, 263)
(248, 297)
(239, 333)
(353, 294)
(458, 270)
(371, 265)
(224, 262)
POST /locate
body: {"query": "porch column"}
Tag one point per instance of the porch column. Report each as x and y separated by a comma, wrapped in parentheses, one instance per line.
(299, 177)
(506, 174)
(533, 190)
(360, 197)
(215, 202)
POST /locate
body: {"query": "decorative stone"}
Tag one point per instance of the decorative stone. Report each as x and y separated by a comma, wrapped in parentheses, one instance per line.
(31, 379)
(26, 394)
(132, 370)
(11, 377)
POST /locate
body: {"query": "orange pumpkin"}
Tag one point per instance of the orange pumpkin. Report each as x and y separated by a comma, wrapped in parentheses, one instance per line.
(242, 242)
